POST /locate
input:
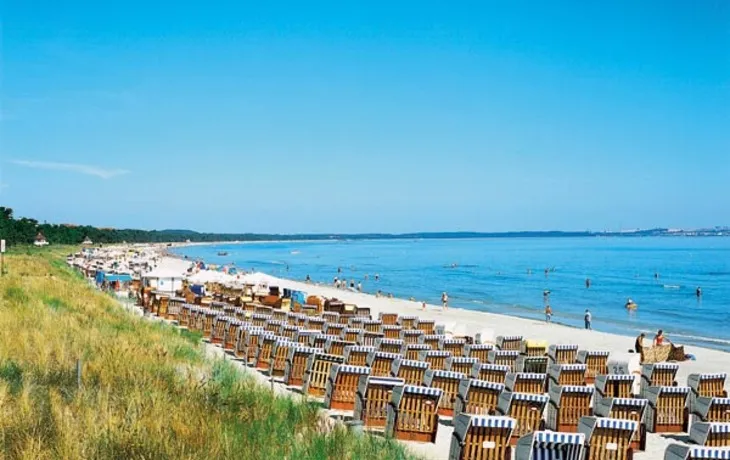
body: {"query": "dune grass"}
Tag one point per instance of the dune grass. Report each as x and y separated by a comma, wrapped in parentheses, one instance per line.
(147, 390)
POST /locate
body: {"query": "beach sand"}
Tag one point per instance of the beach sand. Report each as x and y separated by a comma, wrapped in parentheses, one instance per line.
(461, 321)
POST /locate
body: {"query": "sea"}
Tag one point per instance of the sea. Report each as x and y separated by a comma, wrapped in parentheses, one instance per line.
(510, 275)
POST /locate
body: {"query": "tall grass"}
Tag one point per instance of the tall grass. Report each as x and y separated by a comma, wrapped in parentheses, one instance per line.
(147, 391)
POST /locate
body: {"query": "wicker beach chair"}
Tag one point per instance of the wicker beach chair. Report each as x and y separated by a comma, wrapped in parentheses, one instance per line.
(240, 351)
(525, 382)
(331, 317)
(264, 351)
(562, 354)
(259, 320)
(527, 409)
(534, 348)
(477, 397)
(547, 445)
(509, 342)
(264, 310)
(412, 414)
(390, 319)
(567, 374)
(273, 325)
(209, 317)
(363, 311)
(389, 345)
(391, 331)
(567, 405)
(478, 437)
(614, 385)
(460, 364)
(319, 367)
(334, 329)
(218, 333)
(411, 371)
(496, 373)
(455, 346)
(412, 350)
(315, 323)
(231, 334)
(370, 325)
(504, 357)
(658, 375)
(279, 355)
(411, 335)
(625, 409)
(534, 364)
(682, 452)
(711, 410)
(370, 339)
(427, 326)
(431, 340)
(667, 411)
(304, 336)
(342, 384)
(336, 346)
(185, 315)
(173, 310)
(596, 363)
(351, 334)
(448, 382)
(607, 438)
(296, 364)
(435, 358)
(252, 339)
(706, 386)
(408, 322)
(357, 355)
(372, 399)
(289, 331)
(478, 350)
(381, 362)
(710, 434)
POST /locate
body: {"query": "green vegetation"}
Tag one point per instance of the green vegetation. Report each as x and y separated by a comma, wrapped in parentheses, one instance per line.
(147, 390)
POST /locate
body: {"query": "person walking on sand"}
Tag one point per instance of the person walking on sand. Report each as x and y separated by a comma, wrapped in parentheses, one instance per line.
(639, 346)
(588, 319)
(423, 306)
(445, 300)
(548, 314)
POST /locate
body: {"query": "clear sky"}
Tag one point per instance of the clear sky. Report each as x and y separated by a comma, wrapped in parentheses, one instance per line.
(345, 116)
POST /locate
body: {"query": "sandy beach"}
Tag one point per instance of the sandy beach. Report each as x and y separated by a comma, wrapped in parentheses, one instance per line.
(460, 321)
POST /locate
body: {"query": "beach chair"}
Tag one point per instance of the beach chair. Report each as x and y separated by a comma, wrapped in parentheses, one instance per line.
(547, 445)
(479, 437)
(331, 317)
(280, 315)
(534, 364)
(217, 305)
(336, 346)
(667, 411)
(412, 350)
(509, 342)
(389, 345)
(315, 323)
(370, 339)
(334, 329)
(477, 397)
(527, 409)
(252, 337)
(460, 364)
(503, 357)
(357, 355)
(711, 410)
(195, 320)
(496, 373)
(273, 325)
(218, 333)
(372, 399)
(264, 310)
(341, 389)
(479, 351)
(240, 314)
(533, 348)
(319, 367)
(279, 355)
(173, 309)
(412, 414)
(185, 315)
(607, 438)
(231, 334)
(391, 331)
(596, 363)
(302, 320)
(568, 404)
(455, 346)
(381, 362)
(567, 374)
(614, 385)
(435, 358)
(562, 354)
(412, 372)
(289, 331)
(208, 320)
(296, 364)
(448, 382)
(408, 322)
(658, 375)
(320, 341)
(363, 311)
(240, 350)
(625, 409)
(159, 307)
(259, 320)
(525, 382)
(351, 334)
(431, 340)
(263, 351)
(371, 325)
(304, 336)
(291, 317)
(710, 434)
(411, 335)
(706, 386)
(427, 326)
(390, 319)
(682, 452)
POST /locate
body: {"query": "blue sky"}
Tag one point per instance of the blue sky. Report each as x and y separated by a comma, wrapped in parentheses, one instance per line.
(367, 116)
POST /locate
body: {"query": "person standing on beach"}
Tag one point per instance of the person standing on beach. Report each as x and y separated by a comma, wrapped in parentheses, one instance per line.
(423, 306)
(445, 300)
(548, 314)
(359, 287)
(588, 318)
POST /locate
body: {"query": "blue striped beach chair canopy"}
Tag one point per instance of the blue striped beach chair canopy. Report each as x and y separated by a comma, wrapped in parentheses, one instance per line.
(682, 452)
(549, 445)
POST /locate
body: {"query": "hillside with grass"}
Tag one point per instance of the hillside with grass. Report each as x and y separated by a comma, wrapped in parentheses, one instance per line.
(146, 389)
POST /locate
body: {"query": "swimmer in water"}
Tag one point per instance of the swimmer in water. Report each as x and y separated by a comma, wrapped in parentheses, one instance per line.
(588, 283)
(698, 292)
(377, 277)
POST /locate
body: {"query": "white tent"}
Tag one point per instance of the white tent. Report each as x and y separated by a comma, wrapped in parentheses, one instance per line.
(163, 279)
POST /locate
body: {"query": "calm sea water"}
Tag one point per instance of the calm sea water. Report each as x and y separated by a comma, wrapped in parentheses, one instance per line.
(506, 275)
